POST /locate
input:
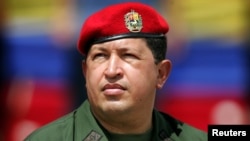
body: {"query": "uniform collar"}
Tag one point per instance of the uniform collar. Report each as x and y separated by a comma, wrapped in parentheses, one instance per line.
(165, 127)
(87, 128)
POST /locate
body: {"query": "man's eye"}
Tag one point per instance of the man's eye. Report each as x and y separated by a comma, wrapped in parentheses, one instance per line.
(129, 55)
(99, 55)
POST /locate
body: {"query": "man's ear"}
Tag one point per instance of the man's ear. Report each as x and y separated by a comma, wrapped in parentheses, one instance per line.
(84, 67)
(164, 68)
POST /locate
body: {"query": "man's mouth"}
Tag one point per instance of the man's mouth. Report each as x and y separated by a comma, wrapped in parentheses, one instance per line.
(113, 89)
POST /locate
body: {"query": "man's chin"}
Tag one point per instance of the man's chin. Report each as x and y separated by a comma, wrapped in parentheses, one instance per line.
(115, 106)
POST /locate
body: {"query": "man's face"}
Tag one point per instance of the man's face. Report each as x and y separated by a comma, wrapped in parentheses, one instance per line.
(122, 77)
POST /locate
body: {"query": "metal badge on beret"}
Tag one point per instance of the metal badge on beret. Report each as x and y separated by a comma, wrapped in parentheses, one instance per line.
(133, 21)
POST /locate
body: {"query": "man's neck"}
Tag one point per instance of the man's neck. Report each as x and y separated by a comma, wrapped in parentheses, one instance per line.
(128, 124)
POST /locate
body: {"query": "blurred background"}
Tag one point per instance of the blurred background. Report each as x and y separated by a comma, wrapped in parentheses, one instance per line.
(41, 76)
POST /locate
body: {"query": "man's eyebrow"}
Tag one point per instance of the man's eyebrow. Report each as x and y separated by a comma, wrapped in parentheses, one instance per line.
(98, 47)
(124, 48)
(130, 49)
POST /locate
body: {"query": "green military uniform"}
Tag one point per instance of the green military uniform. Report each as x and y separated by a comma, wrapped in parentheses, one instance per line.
(80, 125)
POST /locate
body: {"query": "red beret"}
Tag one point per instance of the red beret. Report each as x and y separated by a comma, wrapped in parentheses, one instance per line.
(124, 20)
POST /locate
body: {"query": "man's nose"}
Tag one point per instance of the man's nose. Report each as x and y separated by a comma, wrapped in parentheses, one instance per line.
(113, 67)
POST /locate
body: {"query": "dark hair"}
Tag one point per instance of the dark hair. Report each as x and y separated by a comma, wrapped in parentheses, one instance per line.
(158, 46)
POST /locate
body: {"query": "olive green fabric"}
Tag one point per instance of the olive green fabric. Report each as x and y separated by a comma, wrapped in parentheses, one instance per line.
(80, 125)
(147, 136)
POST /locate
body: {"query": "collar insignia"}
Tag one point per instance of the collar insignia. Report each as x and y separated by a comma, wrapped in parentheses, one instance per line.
(133, 21)
(93, 136)
(163, 136)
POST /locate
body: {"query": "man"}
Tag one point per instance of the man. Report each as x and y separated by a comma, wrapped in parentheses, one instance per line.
(124, 47)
